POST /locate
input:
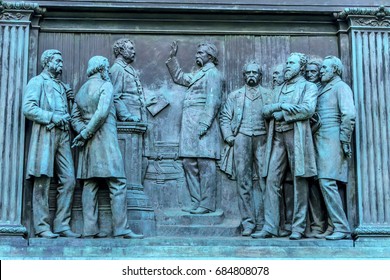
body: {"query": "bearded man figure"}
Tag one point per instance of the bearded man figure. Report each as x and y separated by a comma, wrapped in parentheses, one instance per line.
(290, 144)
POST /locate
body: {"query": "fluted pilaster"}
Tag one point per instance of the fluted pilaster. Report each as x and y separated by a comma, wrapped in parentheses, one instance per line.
(15, 20)
(369, 32)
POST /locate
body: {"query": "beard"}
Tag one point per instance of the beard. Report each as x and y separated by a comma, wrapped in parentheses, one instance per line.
(251, 81)
(129, 58)
(55, 70)
(326, 77)
(291, 73)
(199, 62)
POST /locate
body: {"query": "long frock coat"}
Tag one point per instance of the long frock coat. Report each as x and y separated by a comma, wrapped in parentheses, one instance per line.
(38, 106)
(337, 112)
(305, 96)
(201, 105)
(94, 112)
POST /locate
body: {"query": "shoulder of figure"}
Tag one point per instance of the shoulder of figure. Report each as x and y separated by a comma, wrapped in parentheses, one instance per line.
(236, 93)
(311, 85)
(343, 86)
(264, 90)
(107, 85)
(116, 68)
(35, 80)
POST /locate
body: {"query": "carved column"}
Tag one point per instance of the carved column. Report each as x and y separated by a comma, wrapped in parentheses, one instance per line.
(15, 20)
(140, 212)
(369, 34)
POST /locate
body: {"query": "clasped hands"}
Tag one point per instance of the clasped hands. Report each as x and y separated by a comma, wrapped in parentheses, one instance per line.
(80, 139)
(59, 119)
(290, 108)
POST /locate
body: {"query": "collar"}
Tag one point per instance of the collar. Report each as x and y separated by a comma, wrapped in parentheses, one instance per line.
(294, 80)
(121, 62)
(208, 66)
(249, 88)
(48, 76)
(334, 80)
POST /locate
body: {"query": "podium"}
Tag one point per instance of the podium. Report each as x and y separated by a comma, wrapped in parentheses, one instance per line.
(141, 217)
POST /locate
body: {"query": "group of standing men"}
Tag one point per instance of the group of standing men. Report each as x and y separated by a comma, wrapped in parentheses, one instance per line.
(303, 126)
(267, 132)
(47, 102)
(298, 127)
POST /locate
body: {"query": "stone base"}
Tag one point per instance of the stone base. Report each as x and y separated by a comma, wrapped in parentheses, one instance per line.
(190, 248)
(175, 216)
(373, 242)
(175, 222)
(142, 221)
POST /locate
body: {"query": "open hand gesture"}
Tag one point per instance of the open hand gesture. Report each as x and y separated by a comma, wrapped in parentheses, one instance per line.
(173, 49)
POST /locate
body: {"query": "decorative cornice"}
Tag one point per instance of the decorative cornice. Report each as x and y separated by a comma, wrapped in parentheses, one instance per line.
(11, 16)
(17, 11)
(380, 12)
(379, 17)
(22, 6)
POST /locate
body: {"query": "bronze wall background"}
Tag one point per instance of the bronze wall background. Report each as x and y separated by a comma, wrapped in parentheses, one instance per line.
(240, 37)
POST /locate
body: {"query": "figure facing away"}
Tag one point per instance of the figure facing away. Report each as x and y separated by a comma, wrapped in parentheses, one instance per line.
(45, 103)
(199, 143)
(333, 141)
(244, 129)
(94, 119)
(290, 144)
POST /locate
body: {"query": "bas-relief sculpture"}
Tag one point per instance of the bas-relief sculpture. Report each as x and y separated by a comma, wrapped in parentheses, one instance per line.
(266, 133)
(244, 131)
(289, 143)
(333, 141)
(129, 98)
(46, 105)
(319, 226)
(94, 119)
(199, 143)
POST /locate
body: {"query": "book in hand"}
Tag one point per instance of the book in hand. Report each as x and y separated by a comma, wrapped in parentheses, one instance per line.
(158, 106)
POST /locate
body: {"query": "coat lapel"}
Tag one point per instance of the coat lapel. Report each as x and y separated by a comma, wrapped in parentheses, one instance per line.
(240, 106)
(256, 94)
(130, 70)
(48, 90)
(329, 86)
(198, 75)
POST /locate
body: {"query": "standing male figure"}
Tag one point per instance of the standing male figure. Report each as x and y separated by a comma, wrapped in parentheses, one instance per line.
(317, 209)
(312, 72)
(289, 143)
(287, 196)
(333, 141)
(243, 128)
(277, 75)
(199, 144)
(129, 97)
(45, 103)
(94, 119)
